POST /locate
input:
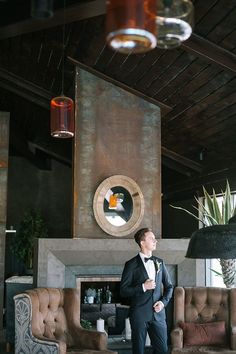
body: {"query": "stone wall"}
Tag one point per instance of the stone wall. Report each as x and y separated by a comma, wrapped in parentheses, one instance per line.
(117, 133)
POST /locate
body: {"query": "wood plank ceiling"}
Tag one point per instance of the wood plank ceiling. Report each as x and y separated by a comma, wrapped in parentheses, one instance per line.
(195, 84)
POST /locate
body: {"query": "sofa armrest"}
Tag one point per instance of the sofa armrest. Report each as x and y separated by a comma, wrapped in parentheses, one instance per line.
(233, 337)
(25, 342)
(89, 339)
(62, 347)
(177, 337)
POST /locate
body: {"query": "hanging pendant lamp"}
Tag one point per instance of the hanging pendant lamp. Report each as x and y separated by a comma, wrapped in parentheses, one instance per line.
(131, 25)
(174, 22)
(217, 241)
(62, 107)
(62, 117)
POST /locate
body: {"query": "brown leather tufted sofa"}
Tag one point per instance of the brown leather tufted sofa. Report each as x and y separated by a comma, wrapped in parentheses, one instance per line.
(204, 305)
(47, 321)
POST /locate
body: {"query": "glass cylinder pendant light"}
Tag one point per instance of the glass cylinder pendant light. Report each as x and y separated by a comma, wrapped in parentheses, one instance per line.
(174, 22)
(131, 25)
(62, 117)
(62, 107)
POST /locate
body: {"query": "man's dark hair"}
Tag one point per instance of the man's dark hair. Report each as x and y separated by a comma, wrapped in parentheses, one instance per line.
(140, 235)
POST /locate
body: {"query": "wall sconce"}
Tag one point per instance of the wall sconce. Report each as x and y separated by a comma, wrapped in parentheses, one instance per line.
(119, 197)
(174, 22)
(131, 25)
(41, 8)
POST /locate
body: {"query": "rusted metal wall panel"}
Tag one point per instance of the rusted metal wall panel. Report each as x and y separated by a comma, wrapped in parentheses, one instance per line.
(116, 133)
(4, 139)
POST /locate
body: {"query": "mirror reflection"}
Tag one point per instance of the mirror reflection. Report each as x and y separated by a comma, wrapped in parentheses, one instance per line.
(118, 206)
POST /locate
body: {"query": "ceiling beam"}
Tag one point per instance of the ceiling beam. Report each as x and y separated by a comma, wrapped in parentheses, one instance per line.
(179, 163)
(25, 89)
(72, 14)
(48, 150)
(189, 187)
(211, 51)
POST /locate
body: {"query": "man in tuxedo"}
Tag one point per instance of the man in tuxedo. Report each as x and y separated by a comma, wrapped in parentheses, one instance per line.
(146, 282)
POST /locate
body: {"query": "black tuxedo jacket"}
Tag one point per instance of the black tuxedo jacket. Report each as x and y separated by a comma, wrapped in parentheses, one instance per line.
(133, 276)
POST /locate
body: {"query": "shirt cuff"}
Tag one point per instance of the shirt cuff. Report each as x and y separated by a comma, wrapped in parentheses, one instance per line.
(144, 290)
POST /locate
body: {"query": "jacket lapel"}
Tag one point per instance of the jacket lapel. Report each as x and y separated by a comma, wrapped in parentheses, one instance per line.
(141, 265)
(156, 268)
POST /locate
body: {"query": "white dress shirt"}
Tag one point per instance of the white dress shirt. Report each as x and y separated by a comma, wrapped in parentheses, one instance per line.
(150, 268)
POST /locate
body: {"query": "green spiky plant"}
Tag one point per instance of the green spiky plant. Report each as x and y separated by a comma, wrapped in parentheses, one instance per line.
(215, 212)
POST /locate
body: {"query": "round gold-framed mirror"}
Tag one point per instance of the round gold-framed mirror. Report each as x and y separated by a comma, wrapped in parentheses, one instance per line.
(118, 205)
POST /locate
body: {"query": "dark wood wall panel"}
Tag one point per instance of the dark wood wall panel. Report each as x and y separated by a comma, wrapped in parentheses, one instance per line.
(116, 133)
(4, 138)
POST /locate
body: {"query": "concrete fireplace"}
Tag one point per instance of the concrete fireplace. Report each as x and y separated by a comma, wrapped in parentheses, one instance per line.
(61, 261)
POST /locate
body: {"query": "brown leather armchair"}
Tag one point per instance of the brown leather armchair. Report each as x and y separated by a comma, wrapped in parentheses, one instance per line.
(204, 321)
(47, 320)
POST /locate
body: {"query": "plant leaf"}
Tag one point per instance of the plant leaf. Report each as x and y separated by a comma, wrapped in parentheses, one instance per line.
(228, 205)
(217, 211)
(216, 273)
(188, 212)
(208, 200)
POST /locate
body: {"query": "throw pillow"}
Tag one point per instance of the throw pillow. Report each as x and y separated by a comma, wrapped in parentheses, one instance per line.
(210, 333)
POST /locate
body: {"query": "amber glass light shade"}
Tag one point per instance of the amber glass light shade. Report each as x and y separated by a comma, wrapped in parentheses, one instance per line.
(174, 22)
(62, 117)
(131, 25)
(41, 8)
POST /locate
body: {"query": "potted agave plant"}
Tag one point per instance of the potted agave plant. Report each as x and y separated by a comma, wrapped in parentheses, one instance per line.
(32, 226)
(217, 211)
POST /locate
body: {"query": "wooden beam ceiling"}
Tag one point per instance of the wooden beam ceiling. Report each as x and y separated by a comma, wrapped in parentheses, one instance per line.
(199, 45)
(72, 14)
(25, 89)
(179, 163)
(210, 51)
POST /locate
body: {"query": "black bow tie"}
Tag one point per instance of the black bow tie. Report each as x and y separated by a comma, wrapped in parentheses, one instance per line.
(148, 259)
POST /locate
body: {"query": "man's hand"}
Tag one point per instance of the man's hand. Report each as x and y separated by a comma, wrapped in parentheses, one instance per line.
(149, 284)
(158, 306)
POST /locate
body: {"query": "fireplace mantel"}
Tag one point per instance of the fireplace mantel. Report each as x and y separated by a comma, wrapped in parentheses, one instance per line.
(61, 261)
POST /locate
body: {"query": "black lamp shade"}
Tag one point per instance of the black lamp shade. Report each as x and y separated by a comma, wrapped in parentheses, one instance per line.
(218, 241)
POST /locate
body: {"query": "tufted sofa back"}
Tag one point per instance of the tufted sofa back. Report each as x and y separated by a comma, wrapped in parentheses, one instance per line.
(54, 312)
(201, 304)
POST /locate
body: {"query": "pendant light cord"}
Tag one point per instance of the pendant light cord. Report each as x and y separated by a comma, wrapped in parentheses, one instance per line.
(63, 49)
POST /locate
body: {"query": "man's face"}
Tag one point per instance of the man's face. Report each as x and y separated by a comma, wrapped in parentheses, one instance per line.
(150, 242)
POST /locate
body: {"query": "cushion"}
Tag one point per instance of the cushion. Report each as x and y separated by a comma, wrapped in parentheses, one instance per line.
(211, 333)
